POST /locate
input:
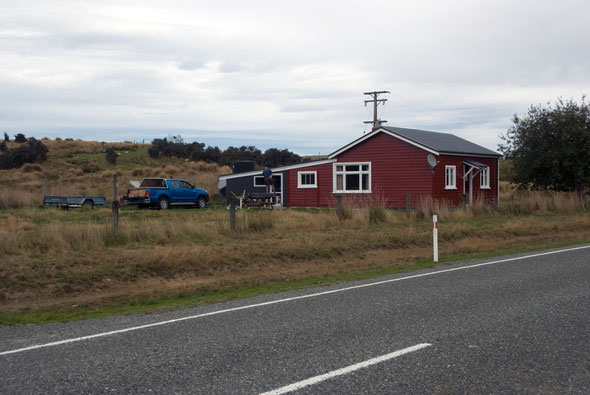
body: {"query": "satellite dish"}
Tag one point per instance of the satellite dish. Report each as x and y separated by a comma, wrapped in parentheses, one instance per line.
(431, 161)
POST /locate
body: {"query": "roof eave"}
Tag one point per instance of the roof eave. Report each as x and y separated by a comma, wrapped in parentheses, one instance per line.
(472, 154)
(392, 134)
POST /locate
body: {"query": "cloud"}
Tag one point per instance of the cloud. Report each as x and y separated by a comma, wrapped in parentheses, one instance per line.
(292, 71)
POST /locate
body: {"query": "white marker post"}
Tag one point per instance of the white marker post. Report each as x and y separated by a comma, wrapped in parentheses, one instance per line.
(435, 237)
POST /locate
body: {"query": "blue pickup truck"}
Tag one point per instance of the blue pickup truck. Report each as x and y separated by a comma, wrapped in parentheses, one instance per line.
(166, 192)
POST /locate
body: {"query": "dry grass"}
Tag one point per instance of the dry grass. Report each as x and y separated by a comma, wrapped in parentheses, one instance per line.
(51, 255)
(76, 167)
(48, 255)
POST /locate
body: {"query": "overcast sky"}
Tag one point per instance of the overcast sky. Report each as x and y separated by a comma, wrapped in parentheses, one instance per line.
(286, 74)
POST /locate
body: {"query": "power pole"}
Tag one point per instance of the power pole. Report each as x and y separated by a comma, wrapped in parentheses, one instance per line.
(376, 121)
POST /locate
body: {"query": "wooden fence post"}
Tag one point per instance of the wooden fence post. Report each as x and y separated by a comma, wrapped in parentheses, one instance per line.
(115, 207)
(339, 208)
(45, 188)
(232, 214)
(408, 204)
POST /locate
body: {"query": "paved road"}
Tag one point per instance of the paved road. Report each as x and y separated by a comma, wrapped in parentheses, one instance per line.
(518, 325)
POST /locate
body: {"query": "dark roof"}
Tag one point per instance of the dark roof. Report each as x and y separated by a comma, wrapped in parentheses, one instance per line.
(443, 143)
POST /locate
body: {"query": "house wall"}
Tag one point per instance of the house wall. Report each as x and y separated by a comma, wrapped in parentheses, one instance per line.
(455, 197)
(311, 197)
(246, 183)
(397, 168)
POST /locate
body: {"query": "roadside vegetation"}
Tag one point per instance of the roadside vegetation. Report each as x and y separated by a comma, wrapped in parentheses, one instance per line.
(68, 264)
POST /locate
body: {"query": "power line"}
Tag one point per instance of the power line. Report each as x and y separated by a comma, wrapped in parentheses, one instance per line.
(434, 111)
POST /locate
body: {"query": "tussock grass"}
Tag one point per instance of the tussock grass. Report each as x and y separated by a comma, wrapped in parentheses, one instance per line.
(54, 255)
(76, 167)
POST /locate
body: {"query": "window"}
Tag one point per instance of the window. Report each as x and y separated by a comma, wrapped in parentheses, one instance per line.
(259, 181)
(484, 178)
(307, 179)
(450, 177)
(175, 183)
(352, 177)
(186, 185)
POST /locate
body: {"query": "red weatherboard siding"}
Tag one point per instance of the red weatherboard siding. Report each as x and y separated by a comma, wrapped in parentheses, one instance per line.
(397, 168)
(455, 197)
(311, 197)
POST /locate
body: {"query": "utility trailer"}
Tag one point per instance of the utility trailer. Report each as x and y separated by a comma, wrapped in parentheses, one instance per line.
(67, 202)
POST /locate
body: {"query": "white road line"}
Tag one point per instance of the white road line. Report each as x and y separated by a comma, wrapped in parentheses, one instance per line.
(313, 295)
(346, 370)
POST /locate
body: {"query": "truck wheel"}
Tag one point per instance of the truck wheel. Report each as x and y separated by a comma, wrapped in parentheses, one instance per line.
(88, 205)
(201, 202)
(164, 204)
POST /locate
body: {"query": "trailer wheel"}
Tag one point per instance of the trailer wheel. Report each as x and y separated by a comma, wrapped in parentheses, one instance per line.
(201, 202)
(88, 205)
(164, 204)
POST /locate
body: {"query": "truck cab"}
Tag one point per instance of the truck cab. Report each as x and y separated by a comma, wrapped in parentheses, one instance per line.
(166, 192)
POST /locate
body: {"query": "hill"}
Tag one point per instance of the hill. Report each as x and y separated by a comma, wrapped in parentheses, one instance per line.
(77, 167)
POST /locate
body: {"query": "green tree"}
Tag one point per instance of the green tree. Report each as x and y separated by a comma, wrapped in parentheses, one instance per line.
(111, 155)
(33, 151)
(275, 157)
(550, 147)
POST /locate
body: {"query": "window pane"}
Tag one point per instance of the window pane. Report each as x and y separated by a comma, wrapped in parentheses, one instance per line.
(365, 178)
(365, 167)
(339, 168)
(352, 182)
(339, 183)
(311, 179)
(352, 167)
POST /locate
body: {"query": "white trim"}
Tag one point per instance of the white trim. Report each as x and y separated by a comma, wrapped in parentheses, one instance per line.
(498, 182)
(360, 172)
(374, 132)
(307, 186)
(276, 169)
(486, 171)
(454, 184)
(258, 186)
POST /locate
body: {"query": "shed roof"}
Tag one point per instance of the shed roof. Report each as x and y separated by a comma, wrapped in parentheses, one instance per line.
(434, 142)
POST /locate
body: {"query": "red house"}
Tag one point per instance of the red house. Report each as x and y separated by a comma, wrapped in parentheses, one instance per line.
(386, 165)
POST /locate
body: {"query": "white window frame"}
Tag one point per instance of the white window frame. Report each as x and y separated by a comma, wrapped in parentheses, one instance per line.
(452, 177)
(305, 186)
(484, 178)
(360, 173)
(263, 185)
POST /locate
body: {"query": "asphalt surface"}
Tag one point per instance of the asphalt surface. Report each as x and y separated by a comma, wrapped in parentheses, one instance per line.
(516, 326)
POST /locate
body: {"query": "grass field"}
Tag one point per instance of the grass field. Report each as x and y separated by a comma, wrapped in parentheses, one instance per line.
(58, 265)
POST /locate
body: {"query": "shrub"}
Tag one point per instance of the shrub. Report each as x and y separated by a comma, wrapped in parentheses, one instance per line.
(111, 155)
(33, 151)
(3, 146)
(377, 215)
(20, 138)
